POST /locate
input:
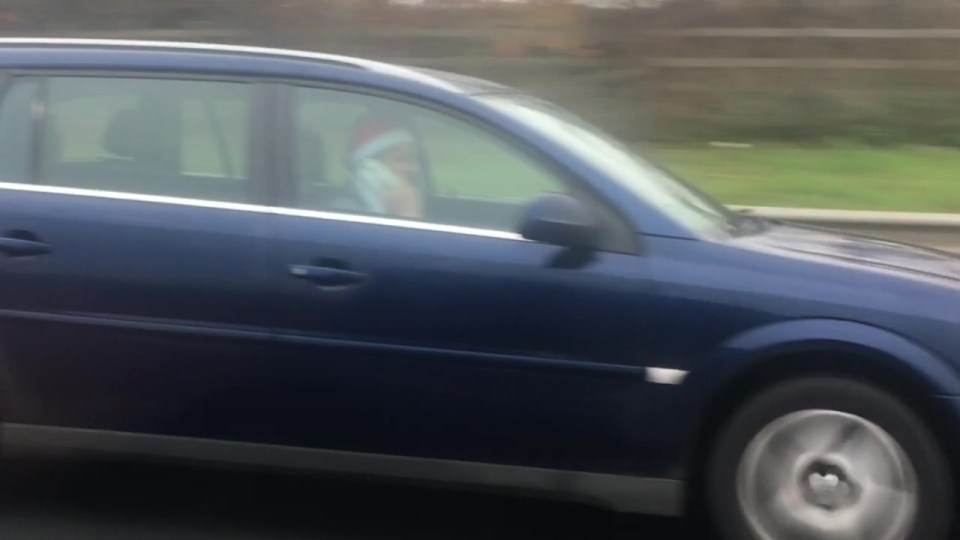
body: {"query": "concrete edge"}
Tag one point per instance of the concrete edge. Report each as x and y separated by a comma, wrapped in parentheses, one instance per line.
(855, 217)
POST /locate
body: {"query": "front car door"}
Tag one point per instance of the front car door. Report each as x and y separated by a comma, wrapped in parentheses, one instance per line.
(148, 305)
(446, 335)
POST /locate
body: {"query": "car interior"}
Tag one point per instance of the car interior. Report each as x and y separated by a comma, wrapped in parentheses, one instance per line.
(141, 151)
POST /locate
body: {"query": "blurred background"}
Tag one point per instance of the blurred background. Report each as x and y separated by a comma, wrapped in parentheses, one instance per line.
(848, 104)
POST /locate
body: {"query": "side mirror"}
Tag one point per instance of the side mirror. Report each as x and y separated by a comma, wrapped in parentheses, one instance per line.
(559, 220)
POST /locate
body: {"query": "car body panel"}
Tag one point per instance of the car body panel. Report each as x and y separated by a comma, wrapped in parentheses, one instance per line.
(134, 293)
(616, 492)
(478, 345)
(747, 297)
(729, 309)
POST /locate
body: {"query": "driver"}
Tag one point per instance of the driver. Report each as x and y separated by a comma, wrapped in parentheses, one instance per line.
(385, 168)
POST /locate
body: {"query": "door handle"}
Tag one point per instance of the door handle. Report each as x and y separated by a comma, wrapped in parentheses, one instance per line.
(19, 247)
(326, 276)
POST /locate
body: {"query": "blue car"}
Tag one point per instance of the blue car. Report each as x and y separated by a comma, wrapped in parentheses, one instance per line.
(313, 262)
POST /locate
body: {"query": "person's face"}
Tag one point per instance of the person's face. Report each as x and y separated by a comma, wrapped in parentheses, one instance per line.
(403, 161)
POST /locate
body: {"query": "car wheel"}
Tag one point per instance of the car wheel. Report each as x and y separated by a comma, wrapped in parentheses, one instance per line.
(828, 459)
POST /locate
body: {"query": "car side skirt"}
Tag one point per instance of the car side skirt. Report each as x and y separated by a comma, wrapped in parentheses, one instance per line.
(621, 493)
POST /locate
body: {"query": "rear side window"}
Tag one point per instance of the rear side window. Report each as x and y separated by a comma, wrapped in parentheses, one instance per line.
(159, 137)
(16, 130)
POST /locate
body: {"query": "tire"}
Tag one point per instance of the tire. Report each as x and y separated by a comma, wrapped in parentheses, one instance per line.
(810, 458)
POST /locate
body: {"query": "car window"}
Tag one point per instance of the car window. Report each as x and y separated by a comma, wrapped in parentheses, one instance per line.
(16, 130)
(623, 165)
(151, 136)
(364, 154)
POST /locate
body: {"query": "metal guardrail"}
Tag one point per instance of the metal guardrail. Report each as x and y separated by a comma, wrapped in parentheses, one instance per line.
(941, 231)
(702, 32)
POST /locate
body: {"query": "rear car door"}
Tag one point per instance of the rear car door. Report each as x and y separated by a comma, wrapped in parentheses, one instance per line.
(447, 335)
(135, 289)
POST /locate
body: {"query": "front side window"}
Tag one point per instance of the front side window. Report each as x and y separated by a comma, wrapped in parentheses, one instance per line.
(150, 136)
(621, 164)
(369, 155)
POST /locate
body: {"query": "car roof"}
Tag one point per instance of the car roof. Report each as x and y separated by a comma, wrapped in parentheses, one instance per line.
(438, 79)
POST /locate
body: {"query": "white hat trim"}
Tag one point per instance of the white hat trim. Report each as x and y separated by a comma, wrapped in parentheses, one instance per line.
(381, 143)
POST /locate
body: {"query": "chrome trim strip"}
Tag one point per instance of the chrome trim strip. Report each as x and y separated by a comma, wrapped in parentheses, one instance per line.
(395, 222)
(371, 65)
(666, 376)
(137, 197)
(275, 210)
(202, 328)
(622, 493)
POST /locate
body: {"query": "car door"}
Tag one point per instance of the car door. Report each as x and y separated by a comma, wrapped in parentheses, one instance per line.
(135, 258)
(447, 335)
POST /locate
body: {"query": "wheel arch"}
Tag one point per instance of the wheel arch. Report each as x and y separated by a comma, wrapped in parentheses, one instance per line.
(764, 357)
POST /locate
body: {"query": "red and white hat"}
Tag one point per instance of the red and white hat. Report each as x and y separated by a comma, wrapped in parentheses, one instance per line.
(374, 135)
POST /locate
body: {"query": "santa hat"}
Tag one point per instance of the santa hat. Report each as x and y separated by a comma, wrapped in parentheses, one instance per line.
(374, 135)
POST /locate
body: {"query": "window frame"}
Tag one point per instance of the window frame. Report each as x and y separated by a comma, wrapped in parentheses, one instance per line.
(7, 82)
(620, 237)
(259, 118)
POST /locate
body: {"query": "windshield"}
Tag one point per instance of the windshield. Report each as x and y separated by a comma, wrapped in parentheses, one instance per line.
(649, 182)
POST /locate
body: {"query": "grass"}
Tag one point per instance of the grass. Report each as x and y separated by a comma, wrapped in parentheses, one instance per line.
(920, 179)
(924, 179)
